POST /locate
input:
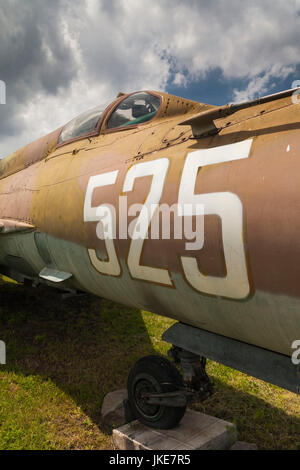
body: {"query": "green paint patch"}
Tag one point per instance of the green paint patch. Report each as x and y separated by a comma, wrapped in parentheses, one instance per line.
(63, 356)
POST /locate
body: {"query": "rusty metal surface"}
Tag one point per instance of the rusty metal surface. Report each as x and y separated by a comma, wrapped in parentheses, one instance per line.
(10, 226)
(46, 187)
(28, 155)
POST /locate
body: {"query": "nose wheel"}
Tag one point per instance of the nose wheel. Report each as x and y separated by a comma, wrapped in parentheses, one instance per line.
(154, 386)
(157, 393)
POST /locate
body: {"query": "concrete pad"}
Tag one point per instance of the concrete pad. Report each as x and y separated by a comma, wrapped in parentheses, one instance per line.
(196, 431)
(112, 411)
(240, 445)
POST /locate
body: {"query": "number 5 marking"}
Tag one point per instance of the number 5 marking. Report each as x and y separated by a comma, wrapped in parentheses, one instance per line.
(230, 209)
(93, 214)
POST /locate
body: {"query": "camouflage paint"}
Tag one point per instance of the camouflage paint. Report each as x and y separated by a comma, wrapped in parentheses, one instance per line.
(46, 186)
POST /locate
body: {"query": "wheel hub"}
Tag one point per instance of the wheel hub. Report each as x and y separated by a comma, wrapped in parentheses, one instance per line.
(143, 385)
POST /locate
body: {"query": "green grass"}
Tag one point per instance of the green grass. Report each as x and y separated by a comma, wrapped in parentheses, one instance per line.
(63, 356)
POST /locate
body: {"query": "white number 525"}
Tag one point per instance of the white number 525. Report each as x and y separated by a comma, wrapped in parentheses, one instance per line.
(226, 205)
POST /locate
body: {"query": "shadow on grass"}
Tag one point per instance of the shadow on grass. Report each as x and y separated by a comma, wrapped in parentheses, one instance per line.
(87, 346)
(257, 420)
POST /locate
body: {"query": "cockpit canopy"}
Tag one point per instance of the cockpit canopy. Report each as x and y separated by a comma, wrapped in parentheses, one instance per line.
(130, 111)
(135, 109)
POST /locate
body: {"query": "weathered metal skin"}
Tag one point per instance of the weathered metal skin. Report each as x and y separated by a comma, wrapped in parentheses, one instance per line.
(47, 186)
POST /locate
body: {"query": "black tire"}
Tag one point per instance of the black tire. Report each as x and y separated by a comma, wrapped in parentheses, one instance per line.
(154, 374)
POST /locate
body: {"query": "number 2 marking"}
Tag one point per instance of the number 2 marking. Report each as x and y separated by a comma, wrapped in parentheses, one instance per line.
(158, 169)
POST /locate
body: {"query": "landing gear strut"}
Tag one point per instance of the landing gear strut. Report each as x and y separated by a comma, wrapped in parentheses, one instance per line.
(158, 394)
(194, 374)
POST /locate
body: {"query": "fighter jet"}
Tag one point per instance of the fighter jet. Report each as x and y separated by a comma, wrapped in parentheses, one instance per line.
(181, 208)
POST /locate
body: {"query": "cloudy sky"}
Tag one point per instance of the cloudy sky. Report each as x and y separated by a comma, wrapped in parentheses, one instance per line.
(61, 57)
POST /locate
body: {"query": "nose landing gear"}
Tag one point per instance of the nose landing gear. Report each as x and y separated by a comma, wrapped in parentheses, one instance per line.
(158, 395)
(151, 385)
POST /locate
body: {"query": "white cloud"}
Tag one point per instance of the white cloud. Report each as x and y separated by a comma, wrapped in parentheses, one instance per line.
(180, 79)
(261, 84)
(127, 45)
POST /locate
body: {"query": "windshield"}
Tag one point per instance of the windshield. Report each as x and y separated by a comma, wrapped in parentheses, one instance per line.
(83, 124)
